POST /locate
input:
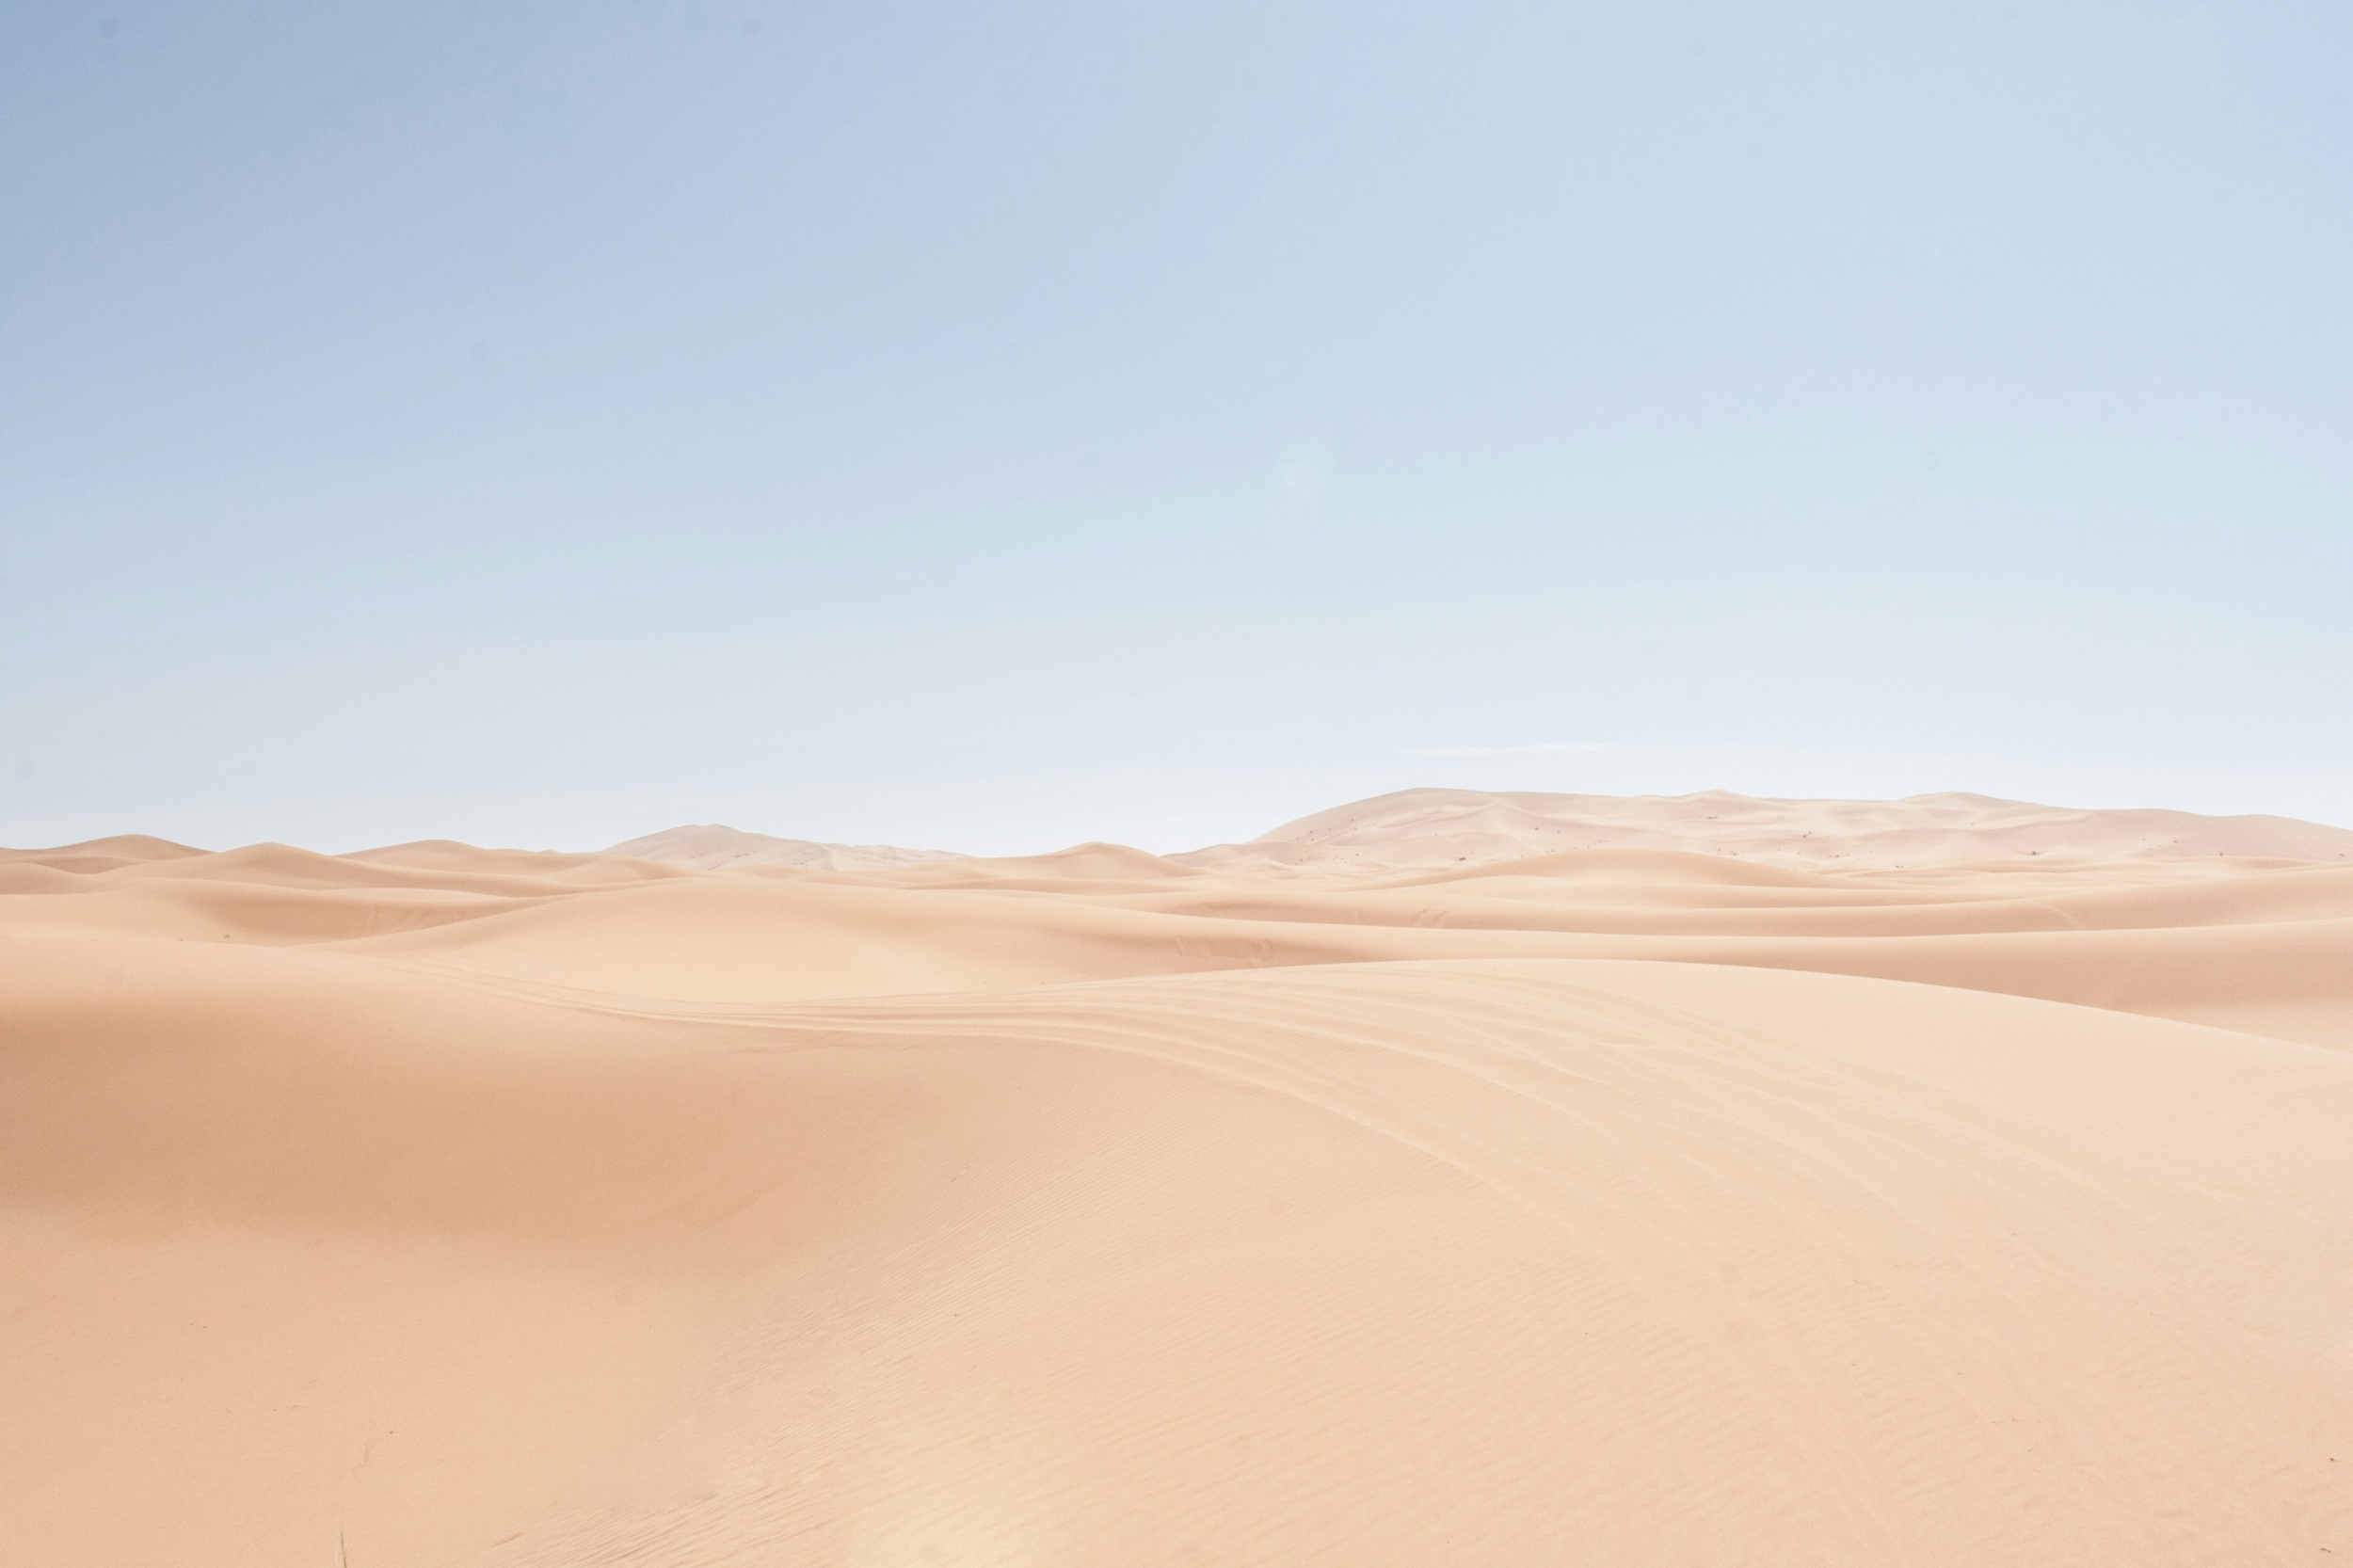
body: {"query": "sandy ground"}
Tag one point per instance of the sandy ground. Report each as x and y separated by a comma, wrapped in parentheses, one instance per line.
(1398, 1203)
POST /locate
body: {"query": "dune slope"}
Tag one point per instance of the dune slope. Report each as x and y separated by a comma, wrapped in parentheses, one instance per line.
(476, 1207)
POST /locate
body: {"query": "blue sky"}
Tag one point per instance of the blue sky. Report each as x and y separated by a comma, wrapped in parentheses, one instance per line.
(999, 425)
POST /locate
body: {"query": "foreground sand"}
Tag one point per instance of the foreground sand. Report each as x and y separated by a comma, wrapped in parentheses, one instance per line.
(1617, 1205)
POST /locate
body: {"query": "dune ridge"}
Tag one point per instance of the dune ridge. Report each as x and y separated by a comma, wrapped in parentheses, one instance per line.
(1335, 1202)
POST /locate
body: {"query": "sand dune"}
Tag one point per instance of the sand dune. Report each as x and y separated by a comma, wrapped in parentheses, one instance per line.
(713, 847)
(1646, 1202)
(1438, 827)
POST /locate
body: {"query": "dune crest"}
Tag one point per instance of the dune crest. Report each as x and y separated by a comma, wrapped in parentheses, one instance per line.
(1407, 1188)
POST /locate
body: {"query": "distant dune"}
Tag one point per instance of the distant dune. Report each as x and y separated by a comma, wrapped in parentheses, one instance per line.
(1446, 1178)
(714, 848)
(1440, 828)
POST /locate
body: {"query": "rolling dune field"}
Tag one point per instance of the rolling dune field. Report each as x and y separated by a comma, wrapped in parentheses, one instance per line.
(1945, 1181)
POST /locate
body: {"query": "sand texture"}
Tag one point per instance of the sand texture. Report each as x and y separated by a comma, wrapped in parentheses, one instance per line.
(1943, 1181)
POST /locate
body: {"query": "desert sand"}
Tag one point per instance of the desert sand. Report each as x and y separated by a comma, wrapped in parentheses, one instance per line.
(1446, 1178)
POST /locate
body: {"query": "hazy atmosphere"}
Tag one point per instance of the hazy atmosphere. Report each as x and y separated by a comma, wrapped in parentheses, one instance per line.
(993, 427)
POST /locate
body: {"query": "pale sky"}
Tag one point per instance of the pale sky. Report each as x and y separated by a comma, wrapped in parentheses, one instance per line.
(992, 426)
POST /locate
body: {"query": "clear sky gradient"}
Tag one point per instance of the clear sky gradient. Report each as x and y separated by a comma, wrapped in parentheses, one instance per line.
(998, 425)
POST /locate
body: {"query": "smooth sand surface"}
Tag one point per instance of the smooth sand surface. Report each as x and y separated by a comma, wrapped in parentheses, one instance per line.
(1689, 1203)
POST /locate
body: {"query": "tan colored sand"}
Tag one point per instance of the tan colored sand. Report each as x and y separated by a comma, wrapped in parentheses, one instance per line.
(1635, 1206)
